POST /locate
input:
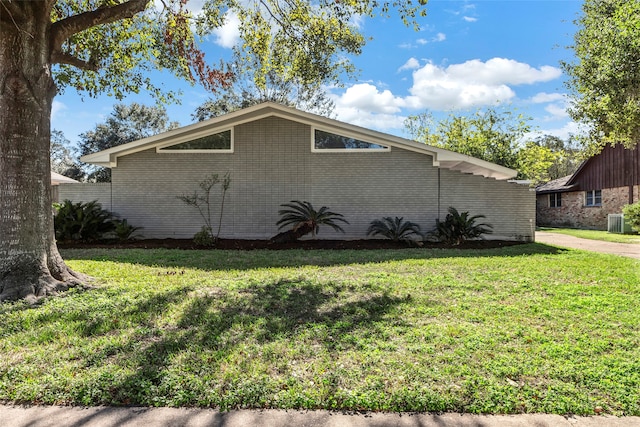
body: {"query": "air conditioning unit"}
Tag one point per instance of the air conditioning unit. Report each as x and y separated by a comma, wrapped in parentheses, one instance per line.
(617, 224)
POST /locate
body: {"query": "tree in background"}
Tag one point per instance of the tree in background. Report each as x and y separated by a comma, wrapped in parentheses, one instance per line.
(125, 124)
(110, 47)
(605, 77)
(63, 158)
(487, 134)
(568, 155)
(501, 138)
(535, 162)
(244, 92)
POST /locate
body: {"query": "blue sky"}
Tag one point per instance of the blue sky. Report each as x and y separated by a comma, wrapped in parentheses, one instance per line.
(466, 55)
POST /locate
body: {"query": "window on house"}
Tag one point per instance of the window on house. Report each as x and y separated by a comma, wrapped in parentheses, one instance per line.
(555, 200)
(219, 142)
(593, 198)
(329, 141)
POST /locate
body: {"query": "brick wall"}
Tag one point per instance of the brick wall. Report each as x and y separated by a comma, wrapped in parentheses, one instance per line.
(86, 192)
(273, 163)
(574, 214)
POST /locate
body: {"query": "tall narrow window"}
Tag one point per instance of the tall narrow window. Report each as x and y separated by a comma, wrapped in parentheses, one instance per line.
(555, 200)
(593, 198)
(330, 141)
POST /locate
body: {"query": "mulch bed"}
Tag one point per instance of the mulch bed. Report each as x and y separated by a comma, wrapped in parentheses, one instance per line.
(230, 244)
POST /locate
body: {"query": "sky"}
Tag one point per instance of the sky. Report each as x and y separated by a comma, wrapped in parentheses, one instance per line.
(466, 55)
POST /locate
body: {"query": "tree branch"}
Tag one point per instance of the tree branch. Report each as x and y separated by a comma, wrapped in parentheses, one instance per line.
(65, 58)
(12, 9)
(65, 28)
(14, 12)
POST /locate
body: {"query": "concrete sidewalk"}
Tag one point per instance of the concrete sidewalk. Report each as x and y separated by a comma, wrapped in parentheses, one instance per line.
(53, 416)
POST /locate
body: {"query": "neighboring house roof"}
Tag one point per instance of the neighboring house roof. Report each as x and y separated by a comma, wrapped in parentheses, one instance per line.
(614, 166)
(57, 179)
(441, 157)
(559, 185)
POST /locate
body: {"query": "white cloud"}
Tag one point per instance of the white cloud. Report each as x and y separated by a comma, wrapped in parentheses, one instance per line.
(367, 97)
(411, 64)
(56, 108)
(469, 19)
(564, 132)
(228, 35)
(474, 83)
(543, 97)
(557, 111)
(557, 105)
(370, 120)
(502, 71)
(440, 37)
(195, 6)
(357, 21)
(443, 88)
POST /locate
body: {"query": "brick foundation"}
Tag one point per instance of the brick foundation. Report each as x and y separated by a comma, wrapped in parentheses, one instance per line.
(574, 214)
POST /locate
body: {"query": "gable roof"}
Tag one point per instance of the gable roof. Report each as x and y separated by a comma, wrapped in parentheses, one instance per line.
(441, 157)
(57, 179)
(559, 185)
(614, 166)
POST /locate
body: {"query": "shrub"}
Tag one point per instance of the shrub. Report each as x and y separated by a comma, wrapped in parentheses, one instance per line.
(458, 227)
(125, 231)
(202, 202)
(82, 221)
(632, 214)
(396, 229)
(302, 216)
(204, 237)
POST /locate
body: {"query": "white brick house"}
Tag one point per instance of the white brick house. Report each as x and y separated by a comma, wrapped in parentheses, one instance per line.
(275, 154)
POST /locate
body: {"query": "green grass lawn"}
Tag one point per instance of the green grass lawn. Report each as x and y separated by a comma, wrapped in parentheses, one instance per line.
(528, 328)
(595, 235)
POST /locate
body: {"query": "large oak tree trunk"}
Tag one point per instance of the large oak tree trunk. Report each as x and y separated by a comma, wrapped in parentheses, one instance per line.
(30, 264)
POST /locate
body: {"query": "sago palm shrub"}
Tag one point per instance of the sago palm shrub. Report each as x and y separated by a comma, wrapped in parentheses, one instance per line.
(82, 221)
(396, 229)
(305, 219)
(458, 227)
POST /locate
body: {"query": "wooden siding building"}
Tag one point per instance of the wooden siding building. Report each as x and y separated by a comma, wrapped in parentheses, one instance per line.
(602, 185)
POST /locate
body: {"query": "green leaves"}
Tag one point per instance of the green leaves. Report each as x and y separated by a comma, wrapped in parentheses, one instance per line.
(396, 229)
(605, 78)
(489, 134)
(535, 162)
(458, 227)
(302, 214)
(82, 221)
(294, 38)
(632, 214)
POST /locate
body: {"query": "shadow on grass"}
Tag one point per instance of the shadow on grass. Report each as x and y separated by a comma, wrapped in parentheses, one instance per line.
(217, 351)
(212, 260)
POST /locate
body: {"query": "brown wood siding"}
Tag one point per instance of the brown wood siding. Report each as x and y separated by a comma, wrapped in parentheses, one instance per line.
(614, 167)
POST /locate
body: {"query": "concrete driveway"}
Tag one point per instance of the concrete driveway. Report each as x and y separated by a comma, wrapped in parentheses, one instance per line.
(630, 250)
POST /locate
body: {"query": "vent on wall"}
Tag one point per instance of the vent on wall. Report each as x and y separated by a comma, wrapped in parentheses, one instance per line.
(617, 224)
